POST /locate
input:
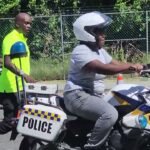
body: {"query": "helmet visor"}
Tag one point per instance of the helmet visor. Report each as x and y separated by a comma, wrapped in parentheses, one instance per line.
(99, 28)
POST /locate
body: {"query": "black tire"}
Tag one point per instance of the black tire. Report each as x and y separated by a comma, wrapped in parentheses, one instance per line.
(48, 146)
(28, 144)
(144, 144)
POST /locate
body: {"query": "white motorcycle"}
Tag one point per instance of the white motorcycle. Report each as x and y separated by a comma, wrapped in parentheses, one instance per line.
(47, 125)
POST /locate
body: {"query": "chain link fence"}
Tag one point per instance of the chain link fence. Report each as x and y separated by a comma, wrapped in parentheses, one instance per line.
(52, 39)
(126, 31)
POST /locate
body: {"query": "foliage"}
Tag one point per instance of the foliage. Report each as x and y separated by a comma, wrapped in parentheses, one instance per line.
(49, 69)
(132, 24)
(42, 7)
(136, 6)
(126, 51)
(45, 39)
(6, 6)
(45, 43)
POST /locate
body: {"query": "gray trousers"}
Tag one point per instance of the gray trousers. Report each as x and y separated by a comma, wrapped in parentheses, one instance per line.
(93, 108)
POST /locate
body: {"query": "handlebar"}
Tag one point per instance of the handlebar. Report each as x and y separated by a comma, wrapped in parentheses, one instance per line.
(146, 66)
(145, 73)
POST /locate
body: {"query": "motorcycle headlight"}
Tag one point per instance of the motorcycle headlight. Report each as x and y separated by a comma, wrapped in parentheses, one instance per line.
(142, 121)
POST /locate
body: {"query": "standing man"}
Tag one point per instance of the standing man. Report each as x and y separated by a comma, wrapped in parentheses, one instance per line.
(11, 69)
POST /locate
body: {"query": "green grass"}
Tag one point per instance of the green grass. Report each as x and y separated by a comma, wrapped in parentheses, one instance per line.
(47, 69)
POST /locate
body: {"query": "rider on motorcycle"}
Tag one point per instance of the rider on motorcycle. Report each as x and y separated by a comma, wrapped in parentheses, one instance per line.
(90, 60)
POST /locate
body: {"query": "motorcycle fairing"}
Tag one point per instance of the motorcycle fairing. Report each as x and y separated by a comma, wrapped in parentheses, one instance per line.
(128, 90)
(130, 95)
(124, 99)
(145, 108)
(131, 119)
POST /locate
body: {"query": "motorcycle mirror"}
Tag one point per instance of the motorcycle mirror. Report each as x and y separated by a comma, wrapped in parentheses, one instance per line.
(18, 50)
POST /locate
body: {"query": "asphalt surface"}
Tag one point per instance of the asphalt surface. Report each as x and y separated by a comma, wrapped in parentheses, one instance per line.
(6, 144)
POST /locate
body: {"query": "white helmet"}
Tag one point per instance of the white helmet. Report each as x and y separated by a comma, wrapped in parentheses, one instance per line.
(85, 25)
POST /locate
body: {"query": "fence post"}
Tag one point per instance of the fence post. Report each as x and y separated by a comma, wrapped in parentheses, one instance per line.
(147, 44)
(62, 44)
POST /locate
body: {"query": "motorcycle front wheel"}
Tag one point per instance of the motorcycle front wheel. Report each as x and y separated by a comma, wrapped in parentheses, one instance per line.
(144, 144)
(29, 143)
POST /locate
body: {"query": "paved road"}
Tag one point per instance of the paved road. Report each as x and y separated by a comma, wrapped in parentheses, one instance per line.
(6, 144)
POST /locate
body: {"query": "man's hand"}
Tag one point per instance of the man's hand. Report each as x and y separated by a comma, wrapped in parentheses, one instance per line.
(29, 79)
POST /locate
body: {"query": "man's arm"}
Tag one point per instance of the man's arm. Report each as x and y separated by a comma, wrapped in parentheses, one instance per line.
(10, 66)
(1, 61)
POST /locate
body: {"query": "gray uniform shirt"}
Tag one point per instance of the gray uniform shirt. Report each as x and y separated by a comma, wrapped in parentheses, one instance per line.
(79, 79)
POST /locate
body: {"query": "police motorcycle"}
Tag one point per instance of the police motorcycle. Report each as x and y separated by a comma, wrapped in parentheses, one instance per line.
(46, 124)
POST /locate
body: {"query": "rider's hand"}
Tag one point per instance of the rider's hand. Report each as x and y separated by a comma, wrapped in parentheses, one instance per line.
(136, 68)
(139, 67)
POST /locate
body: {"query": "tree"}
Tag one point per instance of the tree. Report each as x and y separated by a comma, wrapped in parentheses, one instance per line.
(136, 6)
(8, 6)
(132, 5)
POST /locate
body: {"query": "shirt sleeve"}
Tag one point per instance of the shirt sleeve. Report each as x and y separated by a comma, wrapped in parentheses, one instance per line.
(6, 45)
(108, 57)
(81, 56)
(8, 41)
